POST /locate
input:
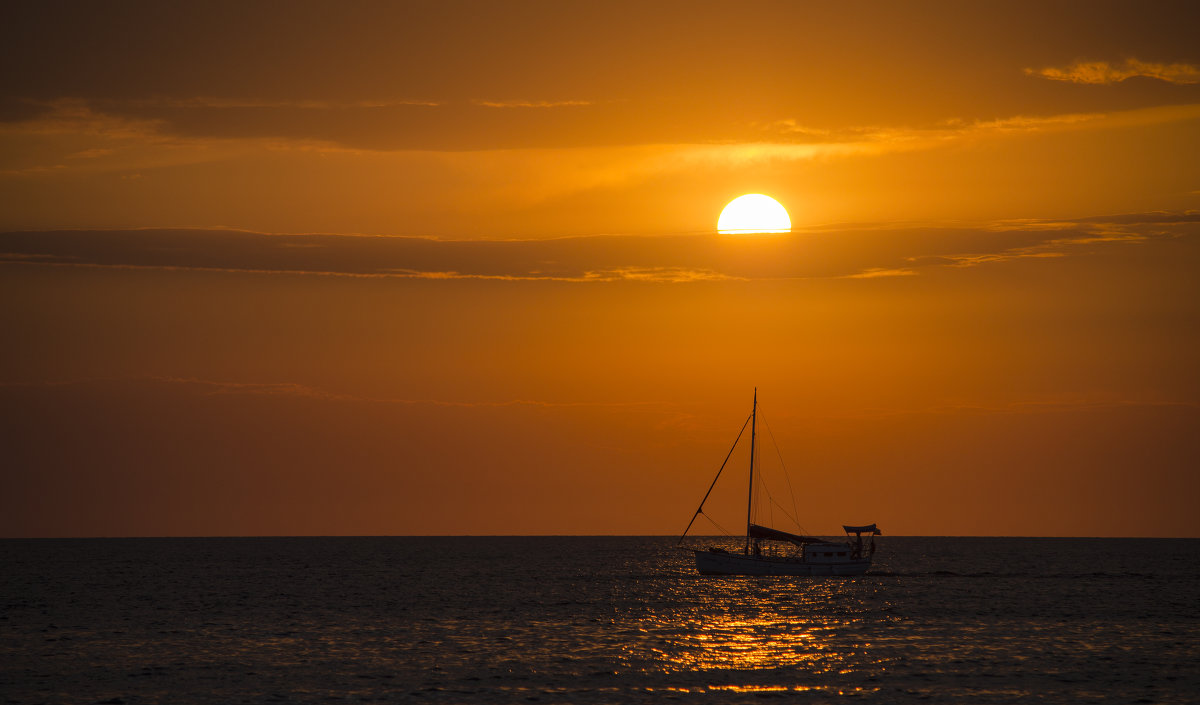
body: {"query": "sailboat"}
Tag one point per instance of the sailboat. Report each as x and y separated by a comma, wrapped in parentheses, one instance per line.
(770, 551)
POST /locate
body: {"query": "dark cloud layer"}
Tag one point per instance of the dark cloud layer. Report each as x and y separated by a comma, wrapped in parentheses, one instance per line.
(457, 126)
(420, 75)
(848, 252)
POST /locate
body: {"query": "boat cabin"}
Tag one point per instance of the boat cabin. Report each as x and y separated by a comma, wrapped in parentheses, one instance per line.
(827, 552)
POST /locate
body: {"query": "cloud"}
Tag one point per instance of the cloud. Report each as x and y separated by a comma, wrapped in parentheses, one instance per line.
(876, 272)
(234, 103)
(218, 388)
(1051, 405)
(599, 259)
(877, 139)
(1139, 218)
(199, 127)
(1103, 73)
(532, 103)
(1064, 238)
(670, 275)
(518, 156)
(974, 260)
(674, 275)
(72, 136)
(850, 252)
(92, 153)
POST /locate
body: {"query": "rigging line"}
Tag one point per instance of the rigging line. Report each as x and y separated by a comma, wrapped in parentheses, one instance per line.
(714, 523)
(714, 482)
(786, 475)
(765, 487)
(787, 514)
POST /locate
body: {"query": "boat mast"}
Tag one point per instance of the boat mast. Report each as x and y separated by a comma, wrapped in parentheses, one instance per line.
(750, 493)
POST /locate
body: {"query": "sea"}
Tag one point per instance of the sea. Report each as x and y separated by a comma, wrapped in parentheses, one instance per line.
(592, 620)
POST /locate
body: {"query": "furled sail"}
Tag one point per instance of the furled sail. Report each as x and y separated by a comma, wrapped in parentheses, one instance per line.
(762, 532)
(868, 529)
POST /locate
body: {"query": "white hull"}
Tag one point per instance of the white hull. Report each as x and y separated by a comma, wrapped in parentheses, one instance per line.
(719, 563)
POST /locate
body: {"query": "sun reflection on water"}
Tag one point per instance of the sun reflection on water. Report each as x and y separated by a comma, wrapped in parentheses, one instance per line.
(765, 635)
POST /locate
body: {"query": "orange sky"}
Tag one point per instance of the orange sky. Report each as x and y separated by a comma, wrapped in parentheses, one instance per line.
(451, 268)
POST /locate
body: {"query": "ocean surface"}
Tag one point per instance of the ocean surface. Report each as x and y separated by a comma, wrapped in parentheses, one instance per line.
(592, 620)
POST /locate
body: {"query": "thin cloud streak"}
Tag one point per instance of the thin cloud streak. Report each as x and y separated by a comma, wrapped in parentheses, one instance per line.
(294, 390)
(1084, 231)
(1020, 407)
(877, 272)
(669, 275)
(533, 103)
(1104, 73)
(666, 275)
(884, 139)
(313, 104)
(297, 390)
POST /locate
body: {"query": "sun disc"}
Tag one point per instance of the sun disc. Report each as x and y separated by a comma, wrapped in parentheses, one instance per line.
(754, 213)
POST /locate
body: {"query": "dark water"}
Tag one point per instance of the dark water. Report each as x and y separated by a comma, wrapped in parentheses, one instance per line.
(583, 620)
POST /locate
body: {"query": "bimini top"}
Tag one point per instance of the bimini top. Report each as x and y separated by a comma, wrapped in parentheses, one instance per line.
(762, 532)
(868, 529)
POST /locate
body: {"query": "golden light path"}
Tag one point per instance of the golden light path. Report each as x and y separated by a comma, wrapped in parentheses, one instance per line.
(777, 638)
(753, 213)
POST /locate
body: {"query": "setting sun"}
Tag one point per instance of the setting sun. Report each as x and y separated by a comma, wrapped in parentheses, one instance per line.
(754, 213)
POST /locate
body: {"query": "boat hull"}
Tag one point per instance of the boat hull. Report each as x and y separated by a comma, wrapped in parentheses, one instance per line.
(721, 563)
